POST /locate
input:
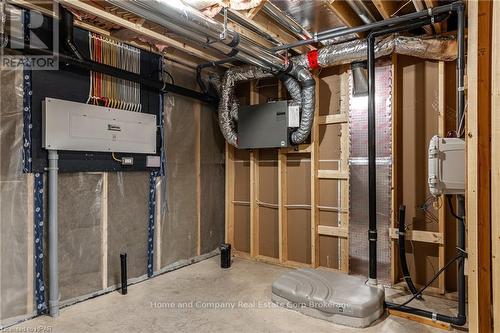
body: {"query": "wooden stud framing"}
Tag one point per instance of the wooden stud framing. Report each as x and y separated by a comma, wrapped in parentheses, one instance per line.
(386, 8)
(495, 166)
(478, 165)
(229, 221)
(419, 319)
(442, 208)
(197, 158)
(395, 148)
(254, 185)
(282, 212)
(420, 236)
(315, 182)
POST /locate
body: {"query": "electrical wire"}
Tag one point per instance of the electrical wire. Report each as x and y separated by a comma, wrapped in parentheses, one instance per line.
(460, 255)
(116, 159)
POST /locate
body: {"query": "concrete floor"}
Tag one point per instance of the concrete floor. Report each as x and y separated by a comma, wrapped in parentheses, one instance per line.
(185, 301)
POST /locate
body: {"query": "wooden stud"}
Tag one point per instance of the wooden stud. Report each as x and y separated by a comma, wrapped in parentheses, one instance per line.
(344, 167)
(229, 225)
(478, 166)
(346, 14)
(254, 185)
(442, 208)
(495, 166)
(394, 177)
(438, 27)
(333, 119)
(419, 236)
(419, 319)
(282, 200)
(254, 11)
(315, 181)
(333, 174)
(254, 207)
(333, 231)
(197, 158)
(104, 230)
(419, 6)
(386, 8)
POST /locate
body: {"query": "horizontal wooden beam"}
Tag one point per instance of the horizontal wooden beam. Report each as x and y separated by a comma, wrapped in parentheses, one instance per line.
(333, 174)
(333, 231)
(300, 149)
(419, 236)
(386, 8)
(419, 319)
(333, 119)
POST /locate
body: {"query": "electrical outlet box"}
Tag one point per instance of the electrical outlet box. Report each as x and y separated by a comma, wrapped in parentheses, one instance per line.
(83, 127)
(446, 166)
(267, 125)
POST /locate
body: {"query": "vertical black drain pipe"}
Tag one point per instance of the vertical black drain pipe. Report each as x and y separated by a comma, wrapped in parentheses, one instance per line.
(461, 317)
(123, 271)
(372, 163)
(372, 166)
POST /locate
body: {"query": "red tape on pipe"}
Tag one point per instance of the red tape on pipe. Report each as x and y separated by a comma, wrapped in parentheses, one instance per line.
(312, 58)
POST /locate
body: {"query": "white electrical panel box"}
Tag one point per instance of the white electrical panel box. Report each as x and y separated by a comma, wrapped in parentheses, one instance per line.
(446, 166)
(83, 127)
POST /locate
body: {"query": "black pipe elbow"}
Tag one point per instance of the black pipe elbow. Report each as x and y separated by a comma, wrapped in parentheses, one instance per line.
(460, 320)
(66, 24)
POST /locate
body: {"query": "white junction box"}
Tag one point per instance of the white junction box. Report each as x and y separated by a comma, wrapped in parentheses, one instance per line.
(77, 126)
(446, 165)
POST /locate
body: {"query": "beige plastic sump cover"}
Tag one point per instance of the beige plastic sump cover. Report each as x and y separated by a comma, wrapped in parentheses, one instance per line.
(332, 296)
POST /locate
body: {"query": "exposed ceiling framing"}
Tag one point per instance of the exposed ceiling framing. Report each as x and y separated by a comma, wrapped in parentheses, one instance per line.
(100, 17)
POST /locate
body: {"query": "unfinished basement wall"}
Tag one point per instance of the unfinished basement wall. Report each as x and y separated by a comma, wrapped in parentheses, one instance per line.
(279, 209)
(104, 214)
(425, 107)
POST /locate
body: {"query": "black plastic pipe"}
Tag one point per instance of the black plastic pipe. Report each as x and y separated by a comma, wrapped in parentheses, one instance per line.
(372, 151)
(402, 252)
(461, 317)
(123, 272)
(200, 68)
(398, 20)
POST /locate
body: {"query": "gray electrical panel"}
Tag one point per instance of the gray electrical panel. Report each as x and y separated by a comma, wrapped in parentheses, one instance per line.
(267, 125)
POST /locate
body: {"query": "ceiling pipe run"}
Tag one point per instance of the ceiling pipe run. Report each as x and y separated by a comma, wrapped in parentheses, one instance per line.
(189, 22)
(286, 22)
(336, 32)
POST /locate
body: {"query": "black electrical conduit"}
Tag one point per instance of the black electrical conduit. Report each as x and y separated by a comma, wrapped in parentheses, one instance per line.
(402, 252)
(77, 59)
(200, 68)
(460, 319)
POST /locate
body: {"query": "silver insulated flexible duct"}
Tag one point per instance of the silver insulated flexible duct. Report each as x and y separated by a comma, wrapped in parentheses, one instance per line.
(428, 48)
(188, 22)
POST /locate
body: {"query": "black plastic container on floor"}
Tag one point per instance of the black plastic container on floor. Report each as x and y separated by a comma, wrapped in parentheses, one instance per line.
(225, 255)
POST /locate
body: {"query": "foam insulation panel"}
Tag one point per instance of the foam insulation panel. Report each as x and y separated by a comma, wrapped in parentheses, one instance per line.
(16, 273)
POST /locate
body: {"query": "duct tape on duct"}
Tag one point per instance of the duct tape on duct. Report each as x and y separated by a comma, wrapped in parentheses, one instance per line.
(16, 215)
(358, 181)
